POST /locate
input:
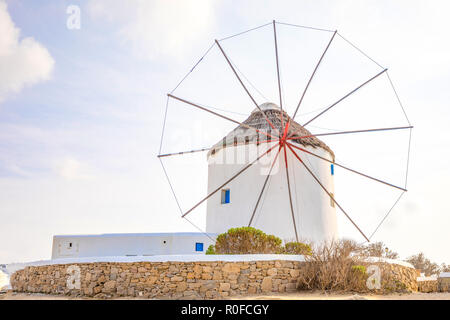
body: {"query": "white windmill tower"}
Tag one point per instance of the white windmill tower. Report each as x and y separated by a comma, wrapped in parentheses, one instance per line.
(272, 173)
(290, 207)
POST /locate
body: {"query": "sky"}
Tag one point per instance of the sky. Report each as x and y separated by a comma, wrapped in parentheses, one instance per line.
(82, 109)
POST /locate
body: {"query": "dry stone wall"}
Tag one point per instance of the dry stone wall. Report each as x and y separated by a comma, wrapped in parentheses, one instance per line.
(398, 278)
(428, 286)
(181, 280)
(169, 280)
(443, 284)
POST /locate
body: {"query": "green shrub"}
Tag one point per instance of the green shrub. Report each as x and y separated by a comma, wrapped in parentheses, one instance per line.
(359, 269)
(246, 240)
(211, 250)
(297, 248)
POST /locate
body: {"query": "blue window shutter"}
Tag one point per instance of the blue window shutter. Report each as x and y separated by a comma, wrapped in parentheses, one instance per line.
(332, 169)
(225, 196)
(199, 246)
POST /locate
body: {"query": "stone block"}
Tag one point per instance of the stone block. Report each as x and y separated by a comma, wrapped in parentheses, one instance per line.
(266, 284)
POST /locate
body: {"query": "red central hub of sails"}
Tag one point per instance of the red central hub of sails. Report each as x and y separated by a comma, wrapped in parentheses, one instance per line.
(283, 138)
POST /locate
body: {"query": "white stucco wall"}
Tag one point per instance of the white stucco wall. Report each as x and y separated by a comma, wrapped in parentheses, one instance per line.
(315, 217)
(139, 244)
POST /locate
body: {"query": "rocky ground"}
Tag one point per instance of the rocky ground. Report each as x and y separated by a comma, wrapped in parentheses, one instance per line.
(9, 295)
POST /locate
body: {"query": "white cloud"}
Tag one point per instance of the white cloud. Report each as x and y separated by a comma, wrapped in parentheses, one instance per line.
(72, 169)
(154, 29)
(15, 169)
(22, 62)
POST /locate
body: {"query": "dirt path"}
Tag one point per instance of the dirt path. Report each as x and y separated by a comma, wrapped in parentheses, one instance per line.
(287, 296)
(349, 296)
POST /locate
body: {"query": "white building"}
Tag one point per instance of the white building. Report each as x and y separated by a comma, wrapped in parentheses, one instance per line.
(130, 244)
(233, 206)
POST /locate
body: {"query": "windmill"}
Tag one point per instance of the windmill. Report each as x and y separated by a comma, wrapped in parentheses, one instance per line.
(304, 164)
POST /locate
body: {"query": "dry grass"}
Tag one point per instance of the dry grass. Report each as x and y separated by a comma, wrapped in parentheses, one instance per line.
(336, 266)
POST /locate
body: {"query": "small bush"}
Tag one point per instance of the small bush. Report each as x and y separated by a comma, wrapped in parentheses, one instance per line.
(297, 248)
(211, 250)
(246, 240)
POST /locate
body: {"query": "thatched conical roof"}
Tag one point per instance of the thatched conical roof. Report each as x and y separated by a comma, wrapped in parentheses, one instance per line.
(242, 134)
